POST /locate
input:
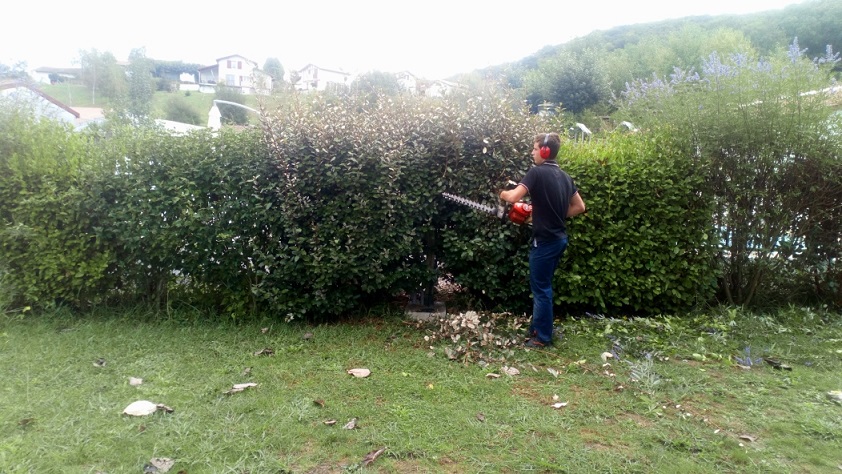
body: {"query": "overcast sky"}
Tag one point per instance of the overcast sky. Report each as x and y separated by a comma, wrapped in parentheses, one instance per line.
(432, 39)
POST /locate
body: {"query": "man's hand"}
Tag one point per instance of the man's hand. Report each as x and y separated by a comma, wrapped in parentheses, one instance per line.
(514, 195)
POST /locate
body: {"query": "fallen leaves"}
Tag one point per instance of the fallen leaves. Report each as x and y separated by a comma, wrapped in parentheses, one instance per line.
(158, 465)
(360, 373)
(145, 407)
(351, 425)
(557, 403)
(511, 371)
(370, 457)
(240, 387)
(266, 351)
(134, 381)
(140, 408)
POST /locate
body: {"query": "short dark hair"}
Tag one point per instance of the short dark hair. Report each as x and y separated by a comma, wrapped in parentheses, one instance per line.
(552, 140)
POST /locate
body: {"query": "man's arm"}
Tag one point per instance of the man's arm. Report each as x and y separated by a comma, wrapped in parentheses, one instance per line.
(577, 205)
(514, 195)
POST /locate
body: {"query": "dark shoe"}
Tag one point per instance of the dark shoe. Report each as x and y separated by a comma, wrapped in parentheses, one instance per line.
(536, 343)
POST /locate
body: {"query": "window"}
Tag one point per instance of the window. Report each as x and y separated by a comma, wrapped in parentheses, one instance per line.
(239, 64)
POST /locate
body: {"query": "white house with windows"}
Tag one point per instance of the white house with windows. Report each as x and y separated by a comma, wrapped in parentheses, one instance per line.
(314, 78)
(408, 81)
(235, 71)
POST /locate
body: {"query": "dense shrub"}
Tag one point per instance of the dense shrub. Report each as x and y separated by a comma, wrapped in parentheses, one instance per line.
(336, 202)
(49, 250)
(187, 215)
(362, 194)
(644, 245)
(760, 129)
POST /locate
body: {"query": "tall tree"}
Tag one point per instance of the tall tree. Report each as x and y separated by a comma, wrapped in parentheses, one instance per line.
(141, 84)
(376, 82)
(273, 67)
(102, 74)
(16, 71)
(576, 81)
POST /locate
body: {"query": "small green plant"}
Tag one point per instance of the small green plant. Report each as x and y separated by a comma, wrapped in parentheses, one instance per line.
(747, 360)
(642, 372)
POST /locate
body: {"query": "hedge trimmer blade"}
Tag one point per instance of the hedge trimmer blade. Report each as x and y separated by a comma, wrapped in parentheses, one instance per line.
(474, 205)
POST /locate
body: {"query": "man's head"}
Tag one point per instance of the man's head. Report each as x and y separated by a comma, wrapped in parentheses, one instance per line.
(549, 140)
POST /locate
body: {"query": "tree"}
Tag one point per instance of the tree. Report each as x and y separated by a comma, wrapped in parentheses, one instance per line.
(374, 84)
(760, 127)
(574, 80)
(273, 67)
(102, 74)
(15, 71)
(141, 84)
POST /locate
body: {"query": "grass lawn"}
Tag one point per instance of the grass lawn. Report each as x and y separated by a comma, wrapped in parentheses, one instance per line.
(77, 95)
(675, 401)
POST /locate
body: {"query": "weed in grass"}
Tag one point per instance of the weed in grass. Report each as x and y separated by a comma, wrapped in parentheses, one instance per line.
(642, 372)
(747, 360)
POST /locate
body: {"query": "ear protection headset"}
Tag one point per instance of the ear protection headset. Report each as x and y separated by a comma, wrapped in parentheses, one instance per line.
(545, 150)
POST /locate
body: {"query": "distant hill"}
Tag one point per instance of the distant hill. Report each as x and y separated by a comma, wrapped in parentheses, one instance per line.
(816, 24)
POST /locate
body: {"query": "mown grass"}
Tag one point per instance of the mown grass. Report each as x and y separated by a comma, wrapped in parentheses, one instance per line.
(692, 410)
(78, 95)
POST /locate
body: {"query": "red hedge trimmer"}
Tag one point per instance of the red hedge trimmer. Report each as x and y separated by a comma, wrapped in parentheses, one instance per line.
(520, 212)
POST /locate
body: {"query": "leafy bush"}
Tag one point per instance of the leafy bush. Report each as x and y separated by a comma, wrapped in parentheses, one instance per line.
(760, 129)
(49, 247)
(187, 215)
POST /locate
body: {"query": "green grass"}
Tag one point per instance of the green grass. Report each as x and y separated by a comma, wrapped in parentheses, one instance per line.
(77, 95)
(62, 413)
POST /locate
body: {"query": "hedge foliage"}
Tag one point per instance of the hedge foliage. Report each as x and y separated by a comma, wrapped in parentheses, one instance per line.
(49, 248)
(336, 203)
(767, 136)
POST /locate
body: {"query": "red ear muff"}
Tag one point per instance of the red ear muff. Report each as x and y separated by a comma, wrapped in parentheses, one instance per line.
(545, 150)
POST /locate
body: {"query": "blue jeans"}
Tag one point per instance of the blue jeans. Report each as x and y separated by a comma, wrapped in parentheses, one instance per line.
(543, 259)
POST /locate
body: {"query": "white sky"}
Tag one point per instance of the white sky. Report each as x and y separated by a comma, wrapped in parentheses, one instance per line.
(432, 39)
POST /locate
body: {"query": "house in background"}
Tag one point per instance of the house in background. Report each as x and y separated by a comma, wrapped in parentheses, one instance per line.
(408, 81)
(41, 104)
(314, 78)
(440, 88)
(50, 75)
(235, 71)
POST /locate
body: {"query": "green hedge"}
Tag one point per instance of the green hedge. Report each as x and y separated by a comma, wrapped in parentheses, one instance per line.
(336, 203)
(49, 247)
(645, 244)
